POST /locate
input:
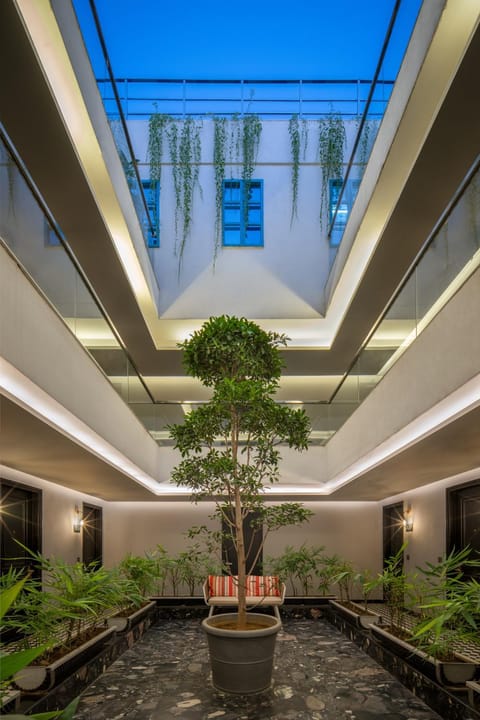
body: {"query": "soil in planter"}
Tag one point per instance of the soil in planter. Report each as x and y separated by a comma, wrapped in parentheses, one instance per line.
(232, 625)
(398, 633)
(60, 650)
(127, 611)
(356, 608)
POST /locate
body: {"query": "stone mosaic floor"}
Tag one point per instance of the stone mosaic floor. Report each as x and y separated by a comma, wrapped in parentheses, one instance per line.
(319, 675)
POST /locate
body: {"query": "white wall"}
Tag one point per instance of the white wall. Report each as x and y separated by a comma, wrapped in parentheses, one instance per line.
(440, 360)
(36, 341)
(352, 530)
(285, 278)
(349, 529)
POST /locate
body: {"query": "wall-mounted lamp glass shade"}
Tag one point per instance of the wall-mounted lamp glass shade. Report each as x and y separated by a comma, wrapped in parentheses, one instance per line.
(77, 520)
(408, 519)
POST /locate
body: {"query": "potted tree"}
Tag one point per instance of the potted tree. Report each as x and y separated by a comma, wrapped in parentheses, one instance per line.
(230, 455)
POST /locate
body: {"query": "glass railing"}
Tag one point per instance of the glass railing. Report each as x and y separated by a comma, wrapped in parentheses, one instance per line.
(451, 255)
(156, 418)
(31, 234)
(99, 60)
(269, 99)
(372, 111)
(139, 98)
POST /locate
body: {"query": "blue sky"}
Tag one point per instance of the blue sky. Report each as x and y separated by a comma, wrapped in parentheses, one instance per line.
(273, 39)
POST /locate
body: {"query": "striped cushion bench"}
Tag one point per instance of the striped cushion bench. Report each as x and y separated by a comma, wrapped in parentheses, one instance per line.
(222, 591)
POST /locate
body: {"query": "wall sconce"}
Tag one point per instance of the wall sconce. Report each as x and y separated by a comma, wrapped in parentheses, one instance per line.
(408, 519)
(77, 520)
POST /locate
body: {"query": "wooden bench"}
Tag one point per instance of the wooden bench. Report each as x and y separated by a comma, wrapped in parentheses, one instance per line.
(262, 590)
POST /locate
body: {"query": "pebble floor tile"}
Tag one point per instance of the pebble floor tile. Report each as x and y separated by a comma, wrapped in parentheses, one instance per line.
(319, 675)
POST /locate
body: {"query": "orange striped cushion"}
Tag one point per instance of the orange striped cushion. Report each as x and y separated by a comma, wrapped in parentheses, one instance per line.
(222, 586)
(257, 586)
(263, 585)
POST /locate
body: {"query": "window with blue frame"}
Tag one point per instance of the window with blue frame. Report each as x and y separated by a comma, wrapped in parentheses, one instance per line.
(243, 213)
(151, 188)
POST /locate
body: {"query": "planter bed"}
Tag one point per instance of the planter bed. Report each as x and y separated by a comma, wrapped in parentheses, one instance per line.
(355, 613)
(10, 702)
(451, 673)
(83, 675)
(124, 623)
(37, 678)
(179, 608)
(448, 704)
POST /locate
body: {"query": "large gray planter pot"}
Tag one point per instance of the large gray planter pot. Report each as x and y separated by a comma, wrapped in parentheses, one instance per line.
(241, 660)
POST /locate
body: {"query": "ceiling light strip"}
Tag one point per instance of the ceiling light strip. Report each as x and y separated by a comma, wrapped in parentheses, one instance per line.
(22, 391)
(459, 402)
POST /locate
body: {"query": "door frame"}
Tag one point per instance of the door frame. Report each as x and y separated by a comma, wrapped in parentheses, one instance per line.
(37, 512)
(452, 511)
(392, 507)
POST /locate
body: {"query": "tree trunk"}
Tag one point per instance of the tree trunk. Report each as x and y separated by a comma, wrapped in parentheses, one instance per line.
(240, 540)
(241, 561)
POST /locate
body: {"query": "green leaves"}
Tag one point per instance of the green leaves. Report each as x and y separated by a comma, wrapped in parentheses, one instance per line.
(451, 604)
(232, 348)
(332, 141)
(228, 446)
(66, 714)
(219, 161)
(140, 570)
(9, 595)
(184, 147)
(298, 133)
(14, 662)
(157, 125)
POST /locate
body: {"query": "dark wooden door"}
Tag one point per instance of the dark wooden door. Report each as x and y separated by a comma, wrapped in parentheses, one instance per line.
(20, 525)
(253, 536)
(392, 530)
(463, 520)
(92, 546)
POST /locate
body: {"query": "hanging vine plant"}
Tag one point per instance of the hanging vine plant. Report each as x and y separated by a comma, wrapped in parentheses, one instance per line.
(367, 138)
(189, 165)
(219, 163)
(235, 142)
(157, 125)
(185, 150)
(172, 138)
(252, 130)
(332, 141)
(298, 132)
(7, 162)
